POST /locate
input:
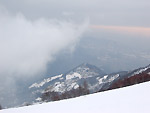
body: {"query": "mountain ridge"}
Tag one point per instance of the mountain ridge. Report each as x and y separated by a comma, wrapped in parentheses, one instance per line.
(76, 79)
(94, 77)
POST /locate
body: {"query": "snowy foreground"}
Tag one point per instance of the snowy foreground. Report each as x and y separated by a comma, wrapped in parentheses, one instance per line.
(133, 99)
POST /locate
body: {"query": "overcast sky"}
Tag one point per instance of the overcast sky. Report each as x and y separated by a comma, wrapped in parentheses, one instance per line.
(57, 35)
(102, 12)
(25, 22)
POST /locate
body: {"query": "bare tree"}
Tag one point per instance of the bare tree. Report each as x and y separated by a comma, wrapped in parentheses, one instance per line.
(85, 88)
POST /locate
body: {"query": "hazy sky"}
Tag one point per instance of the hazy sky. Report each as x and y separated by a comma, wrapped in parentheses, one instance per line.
(102, 12)
(51, 36)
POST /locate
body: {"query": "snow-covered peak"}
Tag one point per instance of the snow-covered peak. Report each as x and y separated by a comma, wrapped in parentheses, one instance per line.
(74, 75)
(85, 70)
(37, 85)
(93, 76)
(123, 100)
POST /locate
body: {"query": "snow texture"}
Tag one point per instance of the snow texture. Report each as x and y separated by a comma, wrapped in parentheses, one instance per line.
(72, 80)
(74, 75)
(141, 70)
(113, 78)
(101, 80)
(133, 99)
(36, 85)
(105, 80)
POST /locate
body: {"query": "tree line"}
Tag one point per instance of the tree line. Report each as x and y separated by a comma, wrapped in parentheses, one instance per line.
(55, 96)
(139, 78)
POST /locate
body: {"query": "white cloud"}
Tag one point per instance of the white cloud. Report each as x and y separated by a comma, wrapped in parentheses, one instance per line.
(27, 46)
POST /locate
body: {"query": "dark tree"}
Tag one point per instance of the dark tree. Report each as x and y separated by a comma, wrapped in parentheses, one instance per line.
(138, 78)
(55, 96)
(85, 88)
(50, 96)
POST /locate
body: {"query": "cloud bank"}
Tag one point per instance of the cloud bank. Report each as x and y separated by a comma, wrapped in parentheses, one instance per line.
(27, 46)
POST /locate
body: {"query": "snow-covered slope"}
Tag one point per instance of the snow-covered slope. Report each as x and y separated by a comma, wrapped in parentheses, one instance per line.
(139, 71)
(133, 99)
(93, 76)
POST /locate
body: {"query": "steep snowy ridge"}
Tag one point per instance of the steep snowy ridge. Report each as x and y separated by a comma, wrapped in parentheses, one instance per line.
(113, 78)
(135, 77)
(96, 79)
(73, 75)
(85, 74)
(133, 99)
(86, 70)
(137, 71)
(36, 85)
(141, 70)
(107, 79)
(93, 76)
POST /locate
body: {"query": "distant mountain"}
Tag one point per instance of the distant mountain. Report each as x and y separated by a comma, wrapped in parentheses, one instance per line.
(137, 76)
(94, 77)
(83, 79)
(134, 99)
